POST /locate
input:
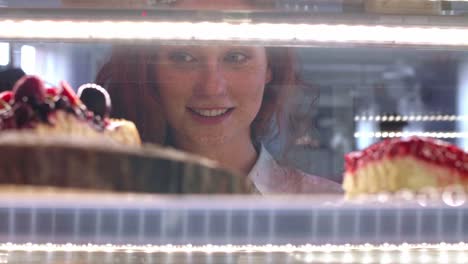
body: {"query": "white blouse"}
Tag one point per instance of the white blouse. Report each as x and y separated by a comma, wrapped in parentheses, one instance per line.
(269, 177)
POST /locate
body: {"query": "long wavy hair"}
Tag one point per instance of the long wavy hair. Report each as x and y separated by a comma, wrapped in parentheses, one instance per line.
(131, 83)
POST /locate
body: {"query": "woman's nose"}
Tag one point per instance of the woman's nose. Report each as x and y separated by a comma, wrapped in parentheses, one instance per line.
(212, 81)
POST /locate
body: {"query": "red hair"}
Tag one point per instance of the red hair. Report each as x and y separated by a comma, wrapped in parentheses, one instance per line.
(127, 76)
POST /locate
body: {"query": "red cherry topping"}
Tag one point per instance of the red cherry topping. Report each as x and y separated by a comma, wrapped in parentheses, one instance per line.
(29, 87)
(70, 94)
(6, 96)
(52, 91)
(430, 150)
(30, 102)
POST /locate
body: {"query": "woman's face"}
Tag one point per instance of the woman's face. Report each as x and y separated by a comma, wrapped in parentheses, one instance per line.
(210, 94)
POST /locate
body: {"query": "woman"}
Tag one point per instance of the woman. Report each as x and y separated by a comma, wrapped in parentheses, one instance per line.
(221, 102)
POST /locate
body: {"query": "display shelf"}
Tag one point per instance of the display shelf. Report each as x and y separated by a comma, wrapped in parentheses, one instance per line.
(74, 227)
(221, 220)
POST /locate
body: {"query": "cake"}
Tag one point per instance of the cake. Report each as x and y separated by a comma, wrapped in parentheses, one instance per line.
(56, 111)
(52, 137)
(30, 159)
(410, 164)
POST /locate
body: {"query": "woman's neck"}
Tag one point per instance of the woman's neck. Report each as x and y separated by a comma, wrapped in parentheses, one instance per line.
(237, 154)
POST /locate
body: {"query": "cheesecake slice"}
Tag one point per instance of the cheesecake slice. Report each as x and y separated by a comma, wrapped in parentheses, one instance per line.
(413, 163)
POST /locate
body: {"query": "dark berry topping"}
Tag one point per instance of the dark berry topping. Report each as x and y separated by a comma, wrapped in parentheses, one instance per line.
(96, 99)
(29, 89)
(24, 115)
(30, 103)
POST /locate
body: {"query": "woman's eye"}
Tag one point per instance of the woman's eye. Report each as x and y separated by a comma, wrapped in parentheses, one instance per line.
(182, 57)
(237, 58)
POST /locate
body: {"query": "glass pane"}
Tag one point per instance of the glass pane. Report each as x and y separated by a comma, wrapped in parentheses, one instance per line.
(263, 88)
(106, 106)
(342, 99)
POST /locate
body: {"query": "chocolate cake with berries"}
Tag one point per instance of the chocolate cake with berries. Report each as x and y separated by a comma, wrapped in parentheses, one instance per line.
(413, 163)
(30, 106)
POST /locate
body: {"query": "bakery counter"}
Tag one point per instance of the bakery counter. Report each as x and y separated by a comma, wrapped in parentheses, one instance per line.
(88, 218)
(50, 226)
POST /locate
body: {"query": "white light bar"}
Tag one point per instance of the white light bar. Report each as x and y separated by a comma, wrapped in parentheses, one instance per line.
(417, 118)
(294, 33)
(390, 134)
(367, 253)
(308, 248)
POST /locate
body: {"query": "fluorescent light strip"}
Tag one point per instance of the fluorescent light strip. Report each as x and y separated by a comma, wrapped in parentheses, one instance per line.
(110, 248)
(365, 253)
(390, 134)
(296, 33)
(417, 118)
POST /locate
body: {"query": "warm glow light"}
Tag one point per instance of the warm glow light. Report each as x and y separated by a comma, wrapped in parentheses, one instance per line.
(443, 258)
(309, 258)
(292, 33)
(424, 258)
(327, 257)
(405, 257)
(348, 258)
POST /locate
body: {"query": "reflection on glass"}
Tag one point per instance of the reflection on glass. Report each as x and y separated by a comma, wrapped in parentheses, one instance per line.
(221, 102)
(28, 59)
(338, 99)
(4, 54)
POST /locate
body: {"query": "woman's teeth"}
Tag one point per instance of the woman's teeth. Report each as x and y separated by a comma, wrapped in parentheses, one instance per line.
(211, 113)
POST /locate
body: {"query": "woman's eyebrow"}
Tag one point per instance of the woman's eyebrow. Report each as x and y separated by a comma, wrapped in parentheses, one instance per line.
(188, 49)
(239, 47)
(243, 48)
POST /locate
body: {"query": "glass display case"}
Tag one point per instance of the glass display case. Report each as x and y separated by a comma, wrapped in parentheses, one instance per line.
(342, 75)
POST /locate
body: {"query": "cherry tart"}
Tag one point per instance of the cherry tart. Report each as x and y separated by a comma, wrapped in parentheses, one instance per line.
(31, 106)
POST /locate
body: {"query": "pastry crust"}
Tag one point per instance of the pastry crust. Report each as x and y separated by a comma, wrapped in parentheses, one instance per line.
(63, 123)
(29, 159)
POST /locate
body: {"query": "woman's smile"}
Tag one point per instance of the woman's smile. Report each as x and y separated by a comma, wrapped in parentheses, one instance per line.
(210, 116)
